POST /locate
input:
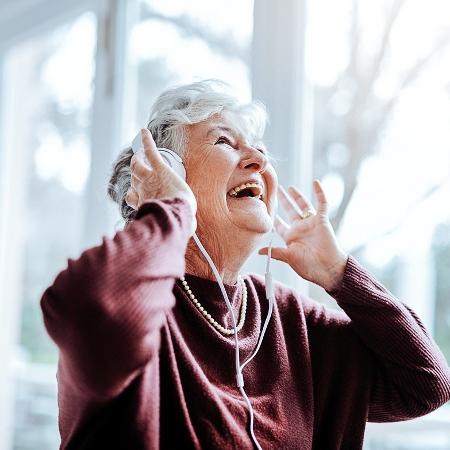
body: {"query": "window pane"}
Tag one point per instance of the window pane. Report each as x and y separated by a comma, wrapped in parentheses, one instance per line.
(180, 42)
(48, 85)
(382, 149)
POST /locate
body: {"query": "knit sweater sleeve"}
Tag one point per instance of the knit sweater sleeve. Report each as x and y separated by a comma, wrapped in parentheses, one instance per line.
(105, 310)
(411, 376)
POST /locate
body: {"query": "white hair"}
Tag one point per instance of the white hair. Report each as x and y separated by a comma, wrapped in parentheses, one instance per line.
(173, 111)
(193, 103)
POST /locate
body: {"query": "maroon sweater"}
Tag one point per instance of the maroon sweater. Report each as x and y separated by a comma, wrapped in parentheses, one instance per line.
(141, 368)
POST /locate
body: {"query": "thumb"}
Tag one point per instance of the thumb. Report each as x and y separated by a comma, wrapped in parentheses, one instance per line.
(278, 253)
(150, 150)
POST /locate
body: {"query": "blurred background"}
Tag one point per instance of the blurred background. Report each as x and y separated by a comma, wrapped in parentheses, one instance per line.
(359, 96)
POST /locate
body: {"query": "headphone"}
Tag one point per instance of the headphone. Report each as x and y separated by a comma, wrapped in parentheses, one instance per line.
(174, 161)
(170, 157)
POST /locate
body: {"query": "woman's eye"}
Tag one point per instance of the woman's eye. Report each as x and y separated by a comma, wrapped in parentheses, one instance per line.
(222, 140)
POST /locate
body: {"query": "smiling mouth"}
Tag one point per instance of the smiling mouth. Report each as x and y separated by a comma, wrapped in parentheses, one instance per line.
(246, 191)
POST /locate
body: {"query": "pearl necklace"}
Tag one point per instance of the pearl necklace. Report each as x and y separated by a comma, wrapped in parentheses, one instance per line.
(209, 318)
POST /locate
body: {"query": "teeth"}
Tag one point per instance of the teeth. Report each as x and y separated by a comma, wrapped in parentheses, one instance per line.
(233, 192)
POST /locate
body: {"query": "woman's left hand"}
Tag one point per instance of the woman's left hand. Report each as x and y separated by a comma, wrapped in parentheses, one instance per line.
(311, 246)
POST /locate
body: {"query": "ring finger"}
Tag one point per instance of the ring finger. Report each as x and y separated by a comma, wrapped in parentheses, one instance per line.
(304, 204)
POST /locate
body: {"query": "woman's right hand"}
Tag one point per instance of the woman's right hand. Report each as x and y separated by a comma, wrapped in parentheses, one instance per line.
(155, 182)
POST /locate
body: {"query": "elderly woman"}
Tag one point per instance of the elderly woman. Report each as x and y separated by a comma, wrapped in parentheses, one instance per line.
(146, 341)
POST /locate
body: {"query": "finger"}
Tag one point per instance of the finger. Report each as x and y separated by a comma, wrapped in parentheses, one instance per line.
(135, 181)
(150, 150)
(132, 162)
(278, 253)
(300, 199)
(132, 199)
(291, 208)
(281, 227)
(138, 166)
(322, 202)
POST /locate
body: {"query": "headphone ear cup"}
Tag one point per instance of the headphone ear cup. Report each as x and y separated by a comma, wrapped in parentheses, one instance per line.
(170, 157)
(174, 161)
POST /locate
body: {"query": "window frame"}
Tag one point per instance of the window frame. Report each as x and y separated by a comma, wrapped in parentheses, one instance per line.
(289, 100)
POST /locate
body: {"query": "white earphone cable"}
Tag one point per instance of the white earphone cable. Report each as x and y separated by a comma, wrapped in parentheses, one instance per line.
(239, 377)
(270, 299)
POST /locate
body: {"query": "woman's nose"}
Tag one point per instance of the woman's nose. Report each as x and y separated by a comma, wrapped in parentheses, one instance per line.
(253, 159)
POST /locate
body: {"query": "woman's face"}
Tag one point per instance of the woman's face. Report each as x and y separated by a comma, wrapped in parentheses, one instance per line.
(219, 161)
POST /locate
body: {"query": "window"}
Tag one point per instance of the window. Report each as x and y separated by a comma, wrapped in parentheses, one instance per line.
(47, 100)
(380, 72)
(181, 42)
(51, 120)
